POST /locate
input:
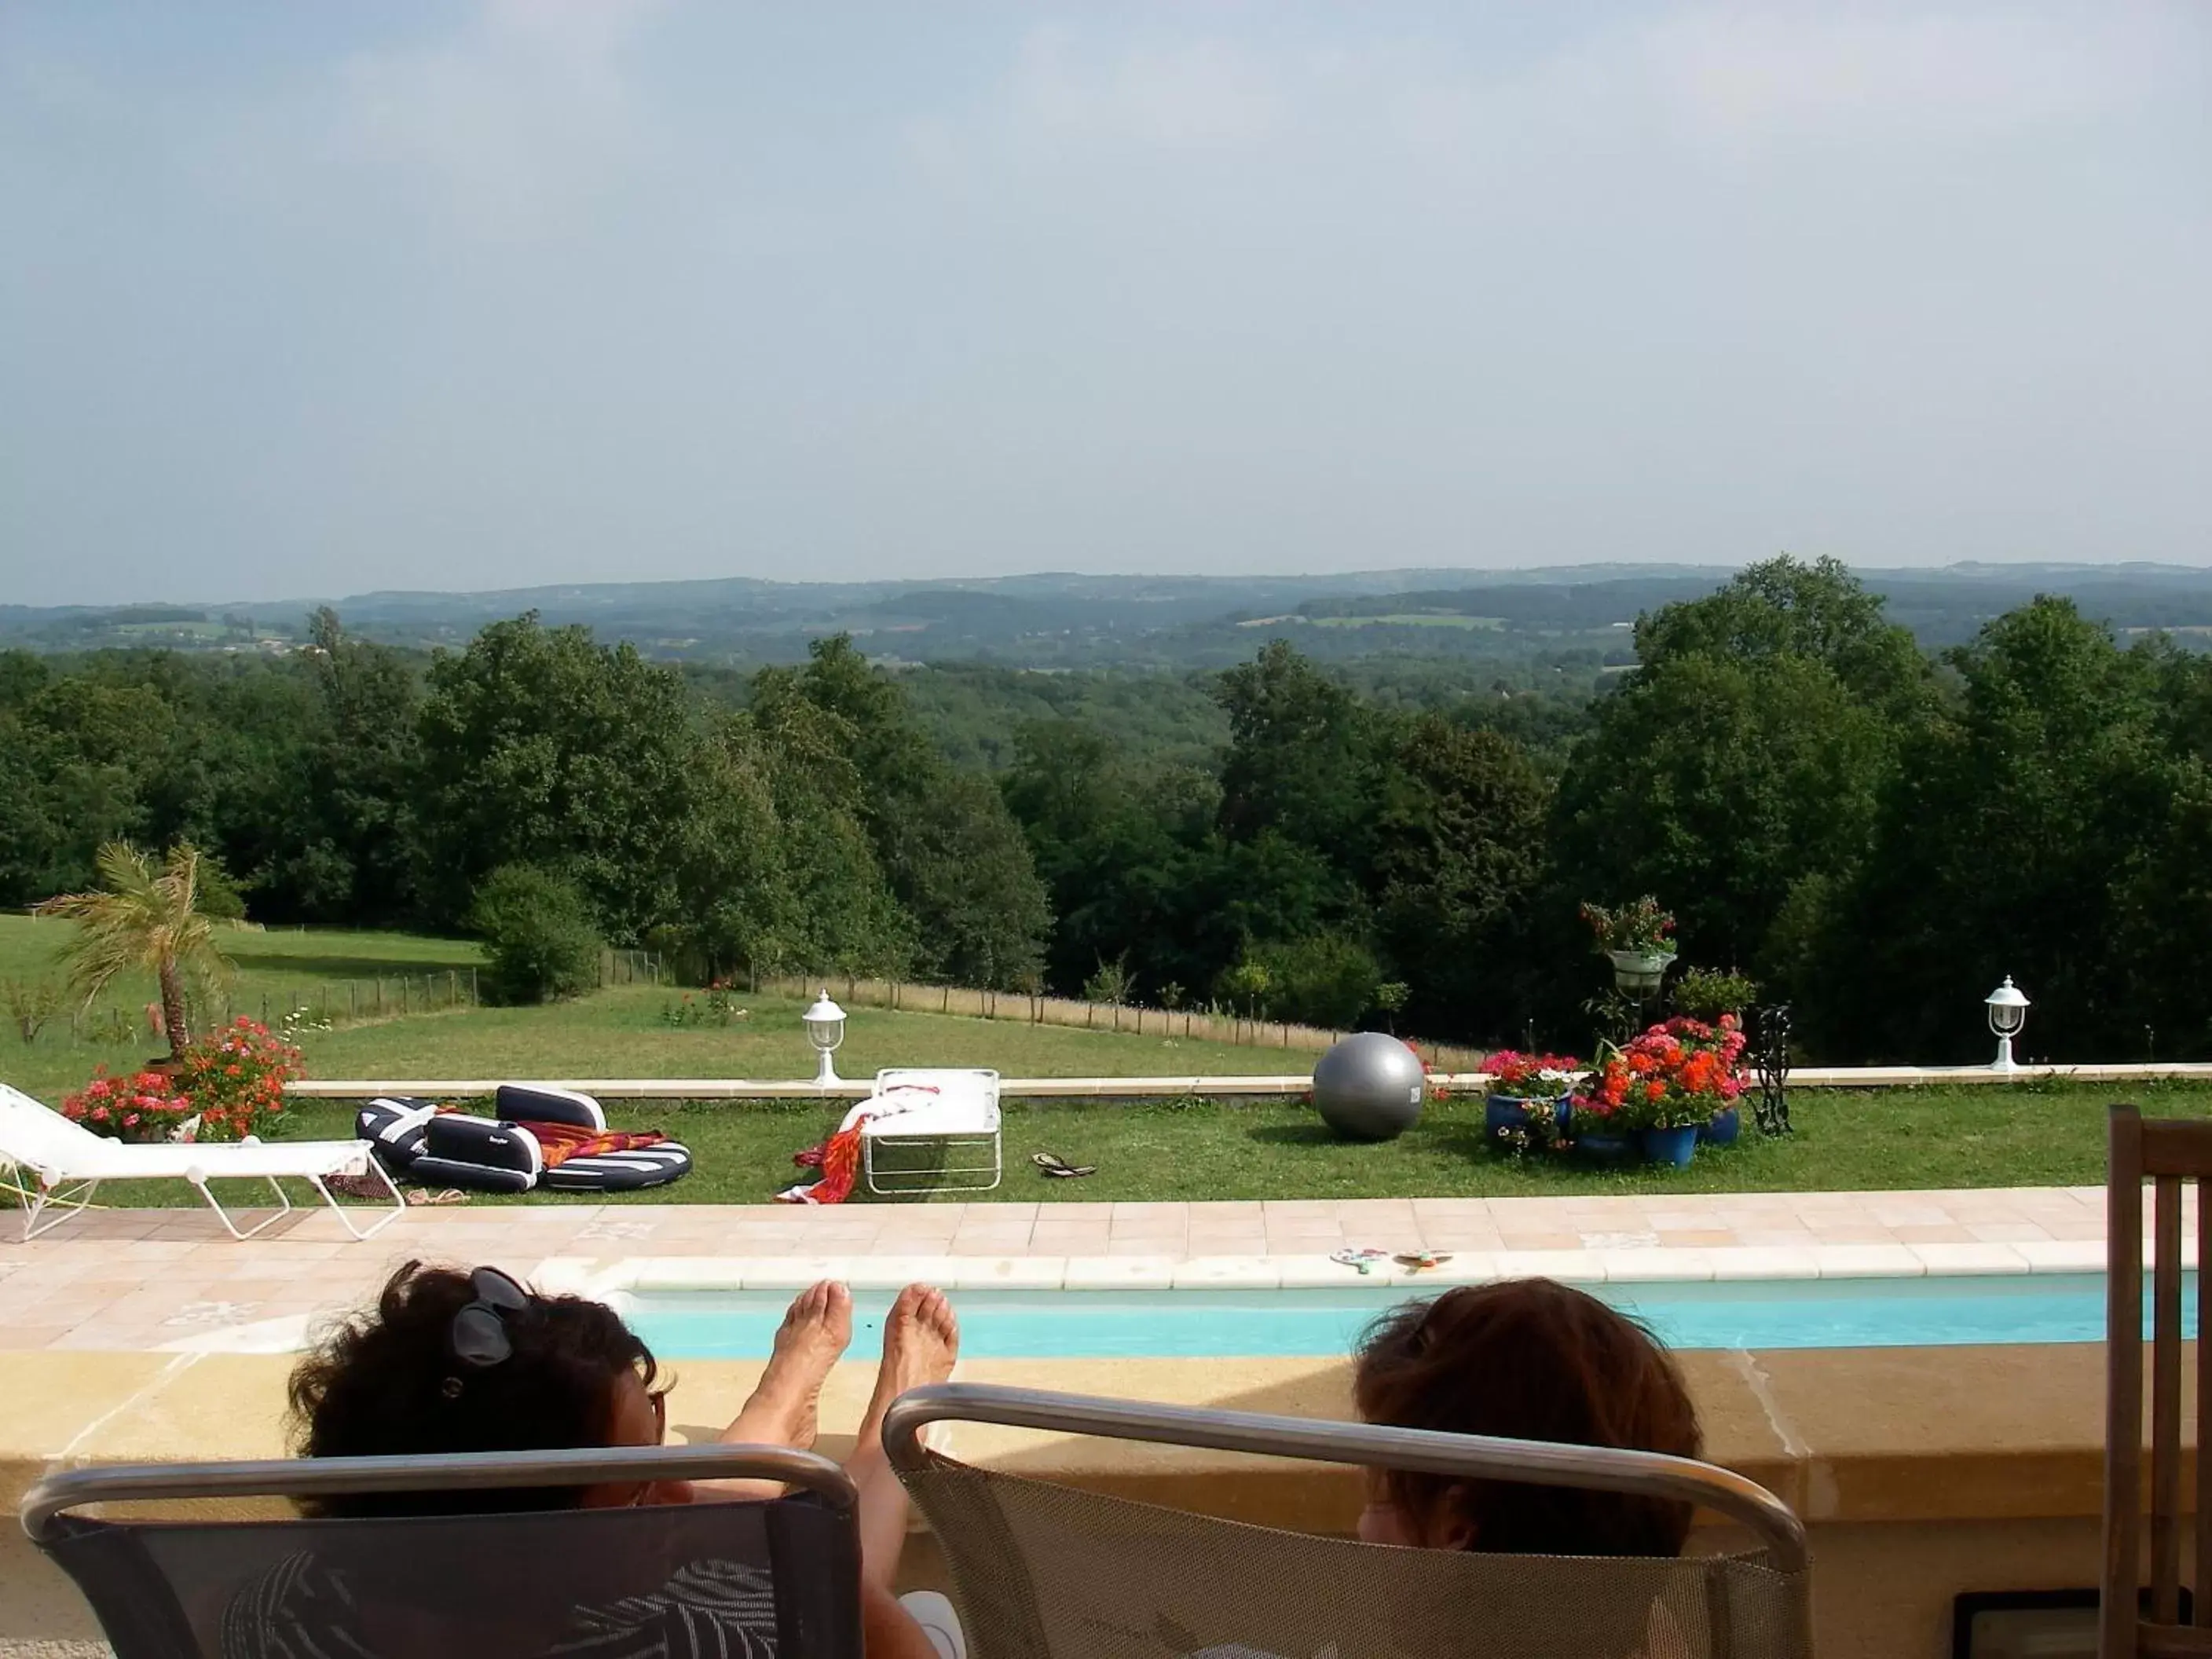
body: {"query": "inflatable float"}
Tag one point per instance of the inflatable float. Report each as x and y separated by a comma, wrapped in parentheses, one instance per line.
(554, 1138)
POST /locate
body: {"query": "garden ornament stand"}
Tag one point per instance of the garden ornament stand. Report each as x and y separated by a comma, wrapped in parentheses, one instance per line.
(1771, 1056)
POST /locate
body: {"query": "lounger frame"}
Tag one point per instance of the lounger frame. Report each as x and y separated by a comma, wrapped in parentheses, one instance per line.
(324, 1477)
(47, 1203)
(1542, 1463)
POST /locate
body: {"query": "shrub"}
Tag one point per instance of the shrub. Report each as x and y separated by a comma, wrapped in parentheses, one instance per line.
(1324, 980)
(31, 1004)
(234, 1079)
(540, 942)
(1707, 993)
(1109, 984)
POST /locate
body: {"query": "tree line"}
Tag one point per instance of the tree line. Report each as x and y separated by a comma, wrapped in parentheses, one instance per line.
(1875, 835)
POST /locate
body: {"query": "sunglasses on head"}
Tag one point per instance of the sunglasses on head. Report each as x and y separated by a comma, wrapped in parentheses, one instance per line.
(479, 1336)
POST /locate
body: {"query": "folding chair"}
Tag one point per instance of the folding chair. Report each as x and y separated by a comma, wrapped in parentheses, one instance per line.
(1047, 1571)
(477, 1576)
(2167, 1154)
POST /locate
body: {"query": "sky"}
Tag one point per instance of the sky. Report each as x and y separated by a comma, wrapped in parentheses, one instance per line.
(317, 300)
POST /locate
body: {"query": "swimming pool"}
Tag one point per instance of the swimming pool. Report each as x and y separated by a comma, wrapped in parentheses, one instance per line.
(1826, 1313)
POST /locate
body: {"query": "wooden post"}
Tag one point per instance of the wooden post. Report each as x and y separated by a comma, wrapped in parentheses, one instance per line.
(2117, 1617)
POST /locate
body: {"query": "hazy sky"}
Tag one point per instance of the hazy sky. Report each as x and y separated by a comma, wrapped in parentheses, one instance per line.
(307, 299)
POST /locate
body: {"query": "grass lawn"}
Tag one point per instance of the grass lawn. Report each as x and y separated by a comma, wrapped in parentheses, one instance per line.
(2029, 1134)
(2023, 1135)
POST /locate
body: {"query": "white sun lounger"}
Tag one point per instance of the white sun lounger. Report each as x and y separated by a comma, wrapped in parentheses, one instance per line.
(950, 1116)
(54, 1164)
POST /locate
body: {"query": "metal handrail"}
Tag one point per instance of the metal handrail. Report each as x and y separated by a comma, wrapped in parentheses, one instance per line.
(318, 1477)
(1369, 1445)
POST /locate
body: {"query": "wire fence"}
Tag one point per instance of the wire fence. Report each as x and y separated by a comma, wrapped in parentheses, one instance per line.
(1196, 1024)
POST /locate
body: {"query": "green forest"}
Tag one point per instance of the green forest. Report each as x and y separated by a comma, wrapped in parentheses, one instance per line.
(1874, 832)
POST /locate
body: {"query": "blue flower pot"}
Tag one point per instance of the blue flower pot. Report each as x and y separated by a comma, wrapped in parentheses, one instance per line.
(1675, 1147)
(1722, 1129)
(1606, 1149)
(1503, 1113)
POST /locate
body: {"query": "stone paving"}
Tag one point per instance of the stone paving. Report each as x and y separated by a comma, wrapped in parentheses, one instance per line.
(138, 1279)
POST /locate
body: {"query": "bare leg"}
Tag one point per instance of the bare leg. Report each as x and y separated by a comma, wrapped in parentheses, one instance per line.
(815, 1331)
(921, 1340)
(782, 1407)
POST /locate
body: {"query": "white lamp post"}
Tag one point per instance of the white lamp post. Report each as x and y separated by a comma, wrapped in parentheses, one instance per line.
(2008, 1013)
(825, 1029)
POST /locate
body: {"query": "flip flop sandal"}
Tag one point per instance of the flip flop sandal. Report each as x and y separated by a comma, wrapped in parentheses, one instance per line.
(419, 1198)
(1363, 1259)
(1059, 1168)
(1416, 1261)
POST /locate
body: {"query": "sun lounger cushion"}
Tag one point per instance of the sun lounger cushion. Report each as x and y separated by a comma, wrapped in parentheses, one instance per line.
(416, 1139)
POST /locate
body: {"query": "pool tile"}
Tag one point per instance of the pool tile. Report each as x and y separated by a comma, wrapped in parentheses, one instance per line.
(1227, 1273)
(790, 1272)
(1654, 1266)
(1121, 1273)
(2063, 1255)
(1010, 1273)
(2007, 1232)
(1763, 1261)
(1571, 1265)
(1464, 1267)
(1870, 1261)
(1971, 1258)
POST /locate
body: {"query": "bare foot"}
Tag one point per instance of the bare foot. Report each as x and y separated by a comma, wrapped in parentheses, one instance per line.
(921, 1340)
(815, 1331)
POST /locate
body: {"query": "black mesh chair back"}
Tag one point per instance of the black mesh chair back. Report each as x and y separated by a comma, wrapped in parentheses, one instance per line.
(1051, 1571)
(733, 1580)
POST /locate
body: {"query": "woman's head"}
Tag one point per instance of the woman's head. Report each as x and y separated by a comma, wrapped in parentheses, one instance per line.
(456, 1362)
(1524, 1359)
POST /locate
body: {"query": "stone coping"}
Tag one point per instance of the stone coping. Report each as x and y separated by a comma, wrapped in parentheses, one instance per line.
(1219, 1083)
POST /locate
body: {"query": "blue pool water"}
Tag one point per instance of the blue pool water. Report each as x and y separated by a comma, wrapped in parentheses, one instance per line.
(1828, 1313)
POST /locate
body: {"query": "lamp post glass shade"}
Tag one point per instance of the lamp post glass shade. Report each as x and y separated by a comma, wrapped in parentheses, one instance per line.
(2008, 1006)
(825, 1029)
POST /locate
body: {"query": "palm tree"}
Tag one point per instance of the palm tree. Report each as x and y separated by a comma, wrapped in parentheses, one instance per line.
(143, 920)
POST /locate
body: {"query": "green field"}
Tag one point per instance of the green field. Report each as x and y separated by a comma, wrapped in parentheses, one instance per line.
(275, 969)
(1412, 619)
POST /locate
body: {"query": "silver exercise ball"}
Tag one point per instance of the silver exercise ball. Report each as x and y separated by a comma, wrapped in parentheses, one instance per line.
(1368, 1086)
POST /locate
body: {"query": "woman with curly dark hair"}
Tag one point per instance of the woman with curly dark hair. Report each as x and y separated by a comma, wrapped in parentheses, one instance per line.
(450, 1361)
(1524, 1359)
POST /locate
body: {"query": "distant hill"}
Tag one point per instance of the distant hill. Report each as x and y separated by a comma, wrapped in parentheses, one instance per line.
(1580, 616)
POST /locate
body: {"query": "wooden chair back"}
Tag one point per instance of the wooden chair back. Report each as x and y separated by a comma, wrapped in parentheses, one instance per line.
(2167, 1154)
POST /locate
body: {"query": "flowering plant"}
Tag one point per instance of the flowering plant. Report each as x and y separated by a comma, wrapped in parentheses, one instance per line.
(1531, 1077)
(1675, 1076)
(137, 1109)
(234, 1079)
(1640, 925)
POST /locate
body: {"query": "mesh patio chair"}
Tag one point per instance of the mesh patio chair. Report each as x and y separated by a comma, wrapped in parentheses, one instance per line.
(2166, 1154)
(734, 1580)
(1046, 1569)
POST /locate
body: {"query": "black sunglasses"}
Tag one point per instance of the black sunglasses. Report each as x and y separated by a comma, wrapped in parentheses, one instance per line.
(479, 1335)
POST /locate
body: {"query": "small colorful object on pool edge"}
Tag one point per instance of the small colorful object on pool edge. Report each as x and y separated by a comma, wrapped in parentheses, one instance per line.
(1361, 1257)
